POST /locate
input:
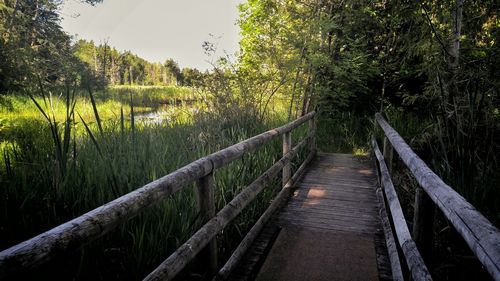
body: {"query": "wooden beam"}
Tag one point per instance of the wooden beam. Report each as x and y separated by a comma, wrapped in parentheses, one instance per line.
(414, 261)
(287, 170)
(312, 133)
(81, 230)
(423, 222)
(480, 234)
(388, 152)
(397, 272)
(168, 269)
(206, 206)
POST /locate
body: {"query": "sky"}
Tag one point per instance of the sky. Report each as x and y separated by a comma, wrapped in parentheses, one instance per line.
(157, 29)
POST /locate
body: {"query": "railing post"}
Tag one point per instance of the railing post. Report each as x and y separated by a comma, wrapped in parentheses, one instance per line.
(206, 205)
(312, 133)
(287, 146)
(388, 152)
(423, 222)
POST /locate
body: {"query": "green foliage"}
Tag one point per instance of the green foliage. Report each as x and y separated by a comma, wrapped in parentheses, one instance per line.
(32, 44)
(353, 58)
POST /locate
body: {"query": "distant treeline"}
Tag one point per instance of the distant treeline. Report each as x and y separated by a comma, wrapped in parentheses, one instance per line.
(112, 67)
(34, 51)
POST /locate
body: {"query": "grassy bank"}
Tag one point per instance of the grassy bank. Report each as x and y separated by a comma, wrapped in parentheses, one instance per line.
(109, 102)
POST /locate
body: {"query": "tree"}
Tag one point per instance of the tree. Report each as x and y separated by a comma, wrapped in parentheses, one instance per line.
(32, 44)
(173, 72)
(191, 77)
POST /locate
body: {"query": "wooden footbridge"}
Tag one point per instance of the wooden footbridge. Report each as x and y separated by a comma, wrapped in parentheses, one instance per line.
(337, 217)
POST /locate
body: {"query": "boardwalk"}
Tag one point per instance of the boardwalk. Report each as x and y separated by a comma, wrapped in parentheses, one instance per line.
(335, 226)
(329, 228)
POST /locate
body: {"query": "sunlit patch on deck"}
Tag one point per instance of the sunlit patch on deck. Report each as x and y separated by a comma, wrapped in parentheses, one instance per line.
(365, 172)
(315, 192)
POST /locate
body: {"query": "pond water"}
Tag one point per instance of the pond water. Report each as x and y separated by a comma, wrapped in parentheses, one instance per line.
(160, 116)
(152, 117)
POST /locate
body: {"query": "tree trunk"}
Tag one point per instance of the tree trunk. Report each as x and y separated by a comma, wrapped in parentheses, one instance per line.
(95, 61)
(294, 87)
(112, 76)
(306, 96)
(35, 18)
(454, 50)
(104, 61)
(382, 94)
(131, 77)
(11, 20)
(297, 75)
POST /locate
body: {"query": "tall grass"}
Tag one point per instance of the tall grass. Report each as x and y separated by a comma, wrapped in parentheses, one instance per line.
(150, 96)
(108, 157)
(344, 133)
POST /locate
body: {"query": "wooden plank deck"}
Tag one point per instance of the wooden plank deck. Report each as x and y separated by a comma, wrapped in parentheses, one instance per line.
(329, 230)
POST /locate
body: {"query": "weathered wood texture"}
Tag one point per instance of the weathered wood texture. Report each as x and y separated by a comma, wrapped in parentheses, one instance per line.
(480, 234)
(389, 243)
(168, 269)
(309, 254)
(388, 152)
(259, 225)
(262, 233)
(287, 170)
(81, 230)
(337, 197)
(423, 222)
(312, 133)
(397, 272)
(413, 258)
(206, 206)
(248, 268)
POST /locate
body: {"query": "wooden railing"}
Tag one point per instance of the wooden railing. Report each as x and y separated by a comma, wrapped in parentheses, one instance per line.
(81, 230)
(481, 235)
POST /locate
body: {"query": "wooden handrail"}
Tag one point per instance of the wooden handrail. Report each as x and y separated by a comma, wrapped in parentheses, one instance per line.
(414, 261)
(285, 192)
(186, 252)
(480, 234)
(392, 251)
(93, 224)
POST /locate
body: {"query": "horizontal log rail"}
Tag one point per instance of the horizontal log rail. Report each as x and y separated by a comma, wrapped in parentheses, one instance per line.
(414, 261)
(479, 233)
(185, 253)
(392, 251)
(93, 224)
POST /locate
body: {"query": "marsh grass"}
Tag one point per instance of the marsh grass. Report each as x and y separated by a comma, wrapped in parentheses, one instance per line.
(70, 156)
(151, 96)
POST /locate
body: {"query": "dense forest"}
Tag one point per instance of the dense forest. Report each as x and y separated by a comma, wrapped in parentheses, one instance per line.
(71, 140)
(433, 60)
